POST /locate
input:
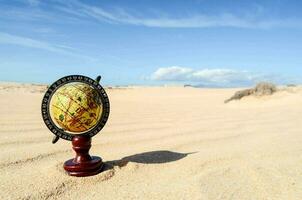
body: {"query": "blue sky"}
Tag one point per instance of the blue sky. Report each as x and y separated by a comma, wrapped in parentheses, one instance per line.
(201, 42)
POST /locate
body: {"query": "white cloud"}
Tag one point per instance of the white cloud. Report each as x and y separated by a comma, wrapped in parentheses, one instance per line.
(172, 73)
(198, 20)
(6, 38)
(33, 2)
(80, 11)
(219, 75)
(223, 77)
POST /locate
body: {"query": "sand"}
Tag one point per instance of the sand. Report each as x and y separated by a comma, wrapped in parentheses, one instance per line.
(159, 143)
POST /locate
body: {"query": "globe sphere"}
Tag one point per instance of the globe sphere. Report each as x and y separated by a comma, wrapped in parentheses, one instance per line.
(76, 107)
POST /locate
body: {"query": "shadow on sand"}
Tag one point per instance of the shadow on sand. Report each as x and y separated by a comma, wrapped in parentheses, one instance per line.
(152, 157)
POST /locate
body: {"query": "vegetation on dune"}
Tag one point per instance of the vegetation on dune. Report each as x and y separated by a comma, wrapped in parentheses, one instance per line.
(261, 89)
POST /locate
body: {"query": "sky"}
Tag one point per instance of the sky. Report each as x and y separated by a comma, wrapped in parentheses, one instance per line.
(224, 43)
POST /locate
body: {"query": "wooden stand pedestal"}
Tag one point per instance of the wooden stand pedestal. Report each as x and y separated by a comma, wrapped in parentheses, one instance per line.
(83, 164)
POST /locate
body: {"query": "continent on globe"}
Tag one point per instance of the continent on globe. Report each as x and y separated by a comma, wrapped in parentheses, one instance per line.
(76, 107)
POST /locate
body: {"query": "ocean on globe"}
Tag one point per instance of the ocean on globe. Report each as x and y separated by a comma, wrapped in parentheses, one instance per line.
(76, 107)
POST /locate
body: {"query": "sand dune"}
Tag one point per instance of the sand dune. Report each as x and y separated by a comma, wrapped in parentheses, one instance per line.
(159, 143)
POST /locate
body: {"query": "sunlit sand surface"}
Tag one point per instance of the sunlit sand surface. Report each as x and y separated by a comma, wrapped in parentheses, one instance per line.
(159, 143)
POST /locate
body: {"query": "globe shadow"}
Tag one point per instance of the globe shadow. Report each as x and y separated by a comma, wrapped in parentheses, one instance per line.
(151, 157)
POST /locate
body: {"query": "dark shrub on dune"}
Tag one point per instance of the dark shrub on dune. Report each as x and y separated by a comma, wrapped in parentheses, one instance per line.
(261, 89)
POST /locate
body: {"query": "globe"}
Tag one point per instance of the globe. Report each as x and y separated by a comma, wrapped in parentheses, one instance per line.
(76, 107)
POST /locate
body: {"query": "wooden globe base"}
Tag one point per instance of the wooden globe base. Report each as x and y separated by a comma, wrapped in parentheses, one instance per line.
(83, 164)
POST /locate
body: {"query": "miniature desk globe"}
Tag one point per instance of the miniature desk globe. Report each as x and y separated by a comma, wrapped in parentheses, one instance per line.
(76, 108)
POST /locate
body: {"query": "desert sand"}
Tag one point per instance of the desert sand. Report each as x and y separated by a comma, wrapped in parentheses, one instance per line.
(159, 143)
